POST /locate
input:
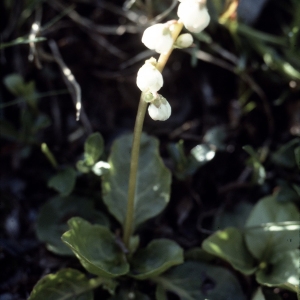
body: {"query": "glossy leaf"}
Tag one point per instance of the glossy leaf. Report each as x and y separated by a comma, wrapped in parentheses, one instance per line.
(229, 245)
(66, 284)
(265, 240)
(64, 181)
(155, 259)
(95, 247)
(200, 281)
(53, 217)
(93, 148)
(153, 183)
(283, 271)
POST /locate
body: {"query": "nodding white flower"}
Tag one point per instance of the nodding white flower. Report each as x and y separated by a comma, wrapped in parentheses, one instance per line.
(158, 37)
(148, 77)
(160, 109)
(193, 14)
(184, 41)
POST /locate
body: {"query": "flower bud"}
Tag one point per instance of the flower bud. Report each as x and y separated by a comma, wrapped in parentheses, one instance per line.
(193, 15)
(184, 41)
(160, 109)
(148, 77)
(158, 37)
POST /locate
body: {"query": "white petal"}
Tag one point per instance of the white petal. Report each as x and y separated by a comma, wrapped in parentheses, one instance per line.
(149, 78)
(161, 113)
(194, 18)
(158, 38)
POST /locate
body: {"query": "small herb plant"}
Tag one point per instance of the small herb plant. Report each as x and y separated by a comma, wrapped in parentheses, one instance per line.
(136, 187)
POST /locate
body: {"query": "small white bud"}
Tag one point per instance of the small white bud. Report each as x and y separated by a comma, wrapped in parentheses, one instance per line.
(184, 41)
(193, 15)
(149, 78)
(160, 109)
(158, 37)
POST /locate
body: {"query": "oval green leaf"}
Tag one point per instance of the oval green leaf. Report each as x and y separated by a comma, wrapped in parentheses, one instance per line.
(199, 281)
(67, 284)
(264, 241)
(153, 180)
(93, 148)
(53, 217)
(96, 248)
(229, 245)
(283, 271)
(64, 181)
(155, 259)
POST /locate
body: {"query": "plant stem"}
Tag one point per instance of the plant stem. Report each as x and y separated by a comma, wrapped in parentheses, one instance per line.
(138, 127)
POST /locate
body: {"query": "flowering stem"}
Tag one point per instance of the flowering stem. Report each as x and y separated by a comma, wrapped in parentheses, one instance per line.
(129, 220)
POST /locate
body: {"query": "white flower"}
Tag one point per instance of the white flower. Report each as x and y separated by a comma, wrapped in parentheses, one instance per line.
(148, 77)
(158, 37)
(193, 15)
(184, 41)
(160, 109)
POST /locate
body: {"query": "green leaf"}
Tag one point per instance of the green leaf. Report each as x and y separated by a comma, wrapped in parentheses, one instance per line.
(53, 217)
(96, 248)
(229, 245)
(259, 173)
(264, 240)
(297, 156)
(200, 281)
(66, 284)
(288, 192)
(285, 155)
(155, 259)
(233, 217)
(64, 181)
(283, 271)
(198, 254)
(153, 180)
(15, 84)
(93, 148)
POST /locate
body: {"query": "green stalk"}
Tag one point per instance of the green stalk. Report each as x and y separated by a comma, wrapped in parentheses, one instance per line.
(138, 127)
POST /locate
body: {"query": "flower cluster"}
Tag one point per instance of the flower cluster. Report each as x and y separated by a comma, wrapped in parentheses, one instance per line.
(194, 16)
